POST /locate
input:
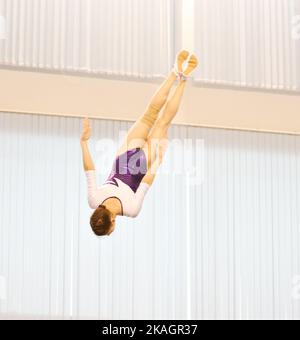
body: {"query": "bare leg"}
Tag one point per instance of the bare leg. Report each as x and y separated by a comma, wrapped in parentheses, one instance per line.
(139, 132)
(158, 138)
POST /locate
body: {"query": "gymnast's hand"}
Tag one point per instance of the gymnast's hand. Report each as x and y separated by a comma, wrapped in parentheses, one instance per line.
(86, 131)
(85, 136)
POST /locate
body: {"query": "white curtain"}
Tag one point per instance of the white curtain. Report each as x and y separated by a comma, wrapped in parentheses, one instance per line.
(248, 43)
(127, 38)
(244, 43)
(52, 263)
(218, 236)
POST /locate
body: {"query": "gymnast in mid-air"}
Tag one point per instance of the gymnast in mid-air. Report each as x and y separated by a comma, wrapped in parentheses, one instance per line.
(139, 156)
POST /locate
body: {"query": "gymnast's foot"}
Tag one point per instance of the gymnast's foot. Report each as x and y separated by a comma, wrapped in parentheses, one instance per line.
(192, 65)
(181, 58)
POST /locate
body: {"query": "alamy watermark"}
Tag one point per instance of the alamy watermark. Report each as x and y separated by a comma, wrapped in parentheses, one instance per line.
(2, 27)
(2, 288)
(296, 288)
(176, 157)
(296, 27)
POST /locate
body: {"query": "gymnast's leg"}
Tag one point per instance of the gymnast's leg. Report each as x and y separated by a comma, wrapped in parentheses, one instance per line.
(138, 134)
(158, 139)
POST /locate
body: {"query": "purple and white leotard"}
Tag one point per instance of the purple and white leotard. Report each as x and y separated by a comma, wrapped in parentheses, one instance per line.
(124, 183)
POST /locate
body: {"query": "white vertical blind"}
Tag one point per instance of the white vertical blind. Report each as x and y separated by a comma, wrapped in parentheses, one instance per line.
(52, 262)
(131, 38)
(218, 236)
(248, 43)
(243, 43)
(246, 227)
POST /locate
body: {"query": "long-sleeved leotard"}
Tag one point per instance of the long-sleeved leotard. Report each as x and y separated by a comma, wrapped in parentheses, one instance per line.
(124, 183)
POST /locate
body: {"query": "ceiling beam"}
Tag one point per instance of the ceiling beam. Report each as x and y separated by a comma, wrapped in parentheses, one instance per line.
(51, 94)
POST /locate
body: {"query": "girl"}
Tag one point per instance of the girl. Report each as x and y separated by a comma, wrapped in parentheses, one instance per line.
(139, 156)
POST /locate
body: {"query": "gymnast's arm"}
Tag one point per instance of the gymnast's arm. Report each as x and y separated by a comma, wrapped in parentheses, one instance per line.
(94, 195)
(88, 163)
(149, 178)
(151, 174)
(144, 187)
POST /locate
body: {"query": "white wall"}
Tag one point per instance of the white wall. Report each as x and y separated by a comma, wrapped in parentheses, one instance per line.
(53, 94)
(226, 248)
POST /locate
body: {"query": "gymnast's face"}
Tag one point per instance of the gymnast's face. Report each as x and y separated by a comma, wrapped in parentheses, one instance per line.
(113, 227)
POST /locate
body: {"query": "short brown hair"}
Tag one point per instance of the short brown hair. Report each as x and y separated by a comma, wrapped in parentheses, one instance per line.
(101, 221)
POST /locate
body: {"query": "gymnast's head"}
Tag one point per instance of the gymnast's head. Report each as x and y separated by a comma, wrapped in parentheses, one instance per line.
(102, 221)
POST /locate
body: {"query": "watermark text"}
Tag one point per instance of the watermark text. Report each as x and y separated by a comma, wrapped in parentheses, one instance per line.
(296, 27)
(2, 27)
(2, 288)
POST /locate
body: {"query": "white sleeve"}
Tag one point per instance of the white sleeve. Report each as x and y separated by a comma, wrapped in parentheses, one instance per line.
(139, 198)
(94, 198)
